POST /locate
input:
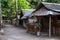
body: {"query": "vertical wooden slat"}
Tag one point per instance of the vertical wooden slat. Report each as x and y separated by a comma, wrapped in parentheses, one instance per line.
(0, 13)
(49, 26)
(0, 16)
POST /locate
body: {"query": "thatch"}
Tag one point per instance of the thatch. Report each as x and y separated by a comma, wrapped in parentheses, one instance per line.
(27, 10)
(44, 8)
(26, 13)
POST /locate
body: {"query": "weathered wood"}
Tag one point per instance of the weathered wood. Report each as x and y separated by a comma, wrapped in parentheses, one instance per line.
(16, 13)
(49, 26)
(0, 17)
(0, 12)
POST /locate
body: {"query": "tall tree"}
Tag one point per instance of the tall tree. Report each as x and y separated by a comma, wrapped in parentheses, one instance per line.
(9, 7)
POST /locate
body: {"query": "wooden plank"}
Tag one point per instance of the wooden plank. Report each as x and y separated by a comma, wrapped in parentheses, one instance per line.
(0, 17)
(0, 13)
(49, 26)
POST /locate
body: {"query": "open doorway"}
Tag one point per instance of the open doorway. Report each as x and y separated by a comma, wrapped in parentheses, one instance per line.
(55, 26)
(45, 26)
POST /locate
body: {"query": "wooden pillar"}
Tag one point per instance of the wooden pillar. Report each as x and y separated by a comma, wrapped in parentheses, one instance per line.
(0, 16)
(16, 12)
(1, 22)
(49, 26)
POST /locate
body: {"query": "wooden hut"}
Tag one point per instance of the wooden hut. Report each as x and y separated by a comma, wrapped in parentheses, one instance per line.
(26, 13)
(49, 15)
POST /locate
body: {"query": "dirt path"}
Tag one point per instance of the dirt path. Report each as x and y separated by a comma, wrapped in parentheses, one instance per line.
(14, 33)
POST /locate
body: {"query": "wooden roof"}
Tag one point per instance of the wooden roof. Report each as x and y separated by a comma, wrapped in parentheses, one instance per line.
(27, 10)
(26, 13)
(45, 8)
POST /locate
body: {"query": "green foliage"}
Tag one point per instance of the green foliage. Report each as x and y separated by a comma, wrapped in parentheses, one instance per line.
(22, 4)
(34, 2)
(9, 7)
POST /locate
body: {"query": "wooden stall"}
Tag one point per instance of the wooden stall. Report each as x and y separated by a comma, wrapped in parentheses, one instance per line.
(24, 18)
(49, 16)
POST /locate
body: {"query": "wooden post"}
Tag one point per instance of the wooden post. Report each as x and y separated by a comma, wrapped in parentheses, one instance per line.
(1, 30)
(49, 26)
(16, 12)
(16, 7)
(0, 16)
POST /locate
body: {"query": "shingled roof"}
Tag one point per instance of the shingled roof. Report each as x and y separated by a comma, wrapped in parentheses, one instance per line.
(50, 6)
(26, 13)
(44, 8)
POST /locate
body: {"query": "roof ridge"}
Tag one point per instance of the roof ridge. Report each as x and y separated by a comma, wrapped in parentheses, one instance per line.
(51, 3)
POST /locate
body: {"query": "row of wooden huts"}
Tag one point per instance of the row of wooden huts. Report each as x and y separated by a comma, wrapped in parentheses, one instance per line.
(49, 15)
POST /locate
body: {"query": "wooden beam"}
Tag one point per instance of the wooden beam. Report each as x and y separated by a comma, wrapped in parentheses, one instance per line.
(49, 26)
(0, 16)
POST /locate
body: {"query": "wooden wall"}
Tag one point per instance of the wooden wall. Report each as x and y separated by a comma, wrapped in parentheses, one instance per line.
(55, 26)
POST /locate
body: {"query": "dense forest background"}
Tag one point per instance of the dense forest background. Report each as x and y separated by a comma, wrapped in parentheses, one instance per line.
(9, 6)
